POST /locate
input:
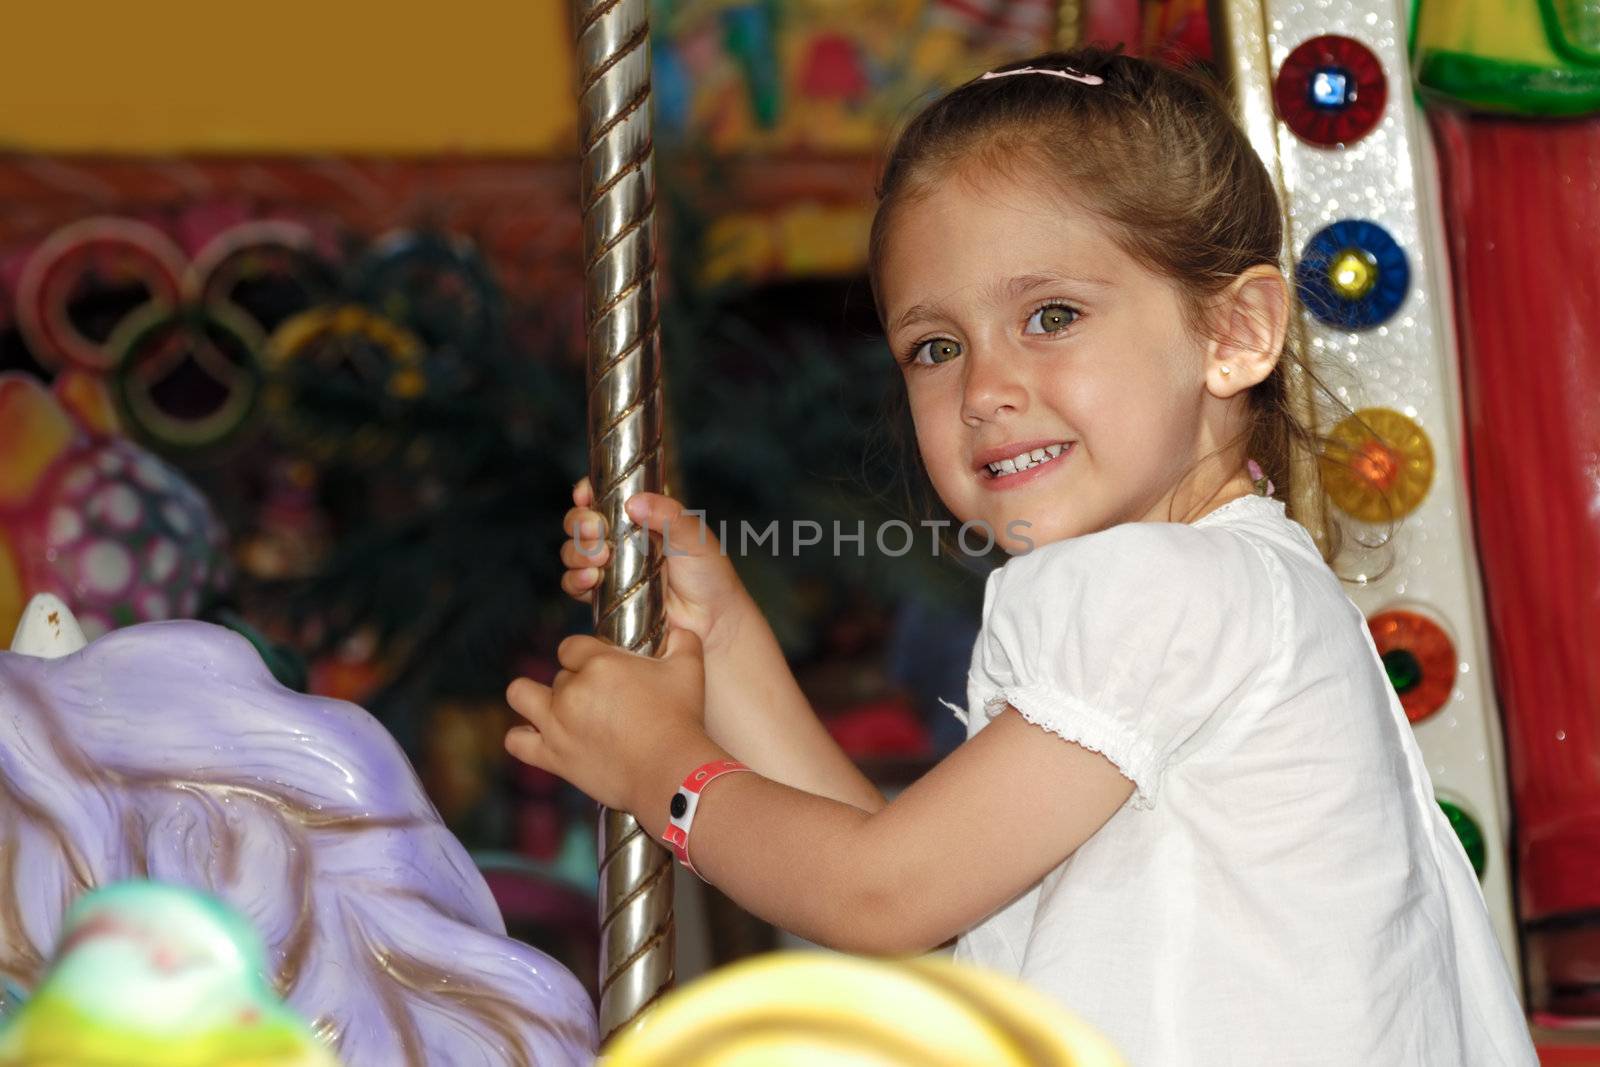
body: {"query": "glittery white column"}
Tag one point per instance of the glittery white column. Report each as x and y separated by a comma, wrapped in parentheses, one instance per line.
(1407, 363)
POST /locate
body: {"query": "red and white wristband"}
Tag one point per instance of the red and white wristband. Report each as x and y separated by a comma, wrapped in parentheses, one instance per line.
(681, 809)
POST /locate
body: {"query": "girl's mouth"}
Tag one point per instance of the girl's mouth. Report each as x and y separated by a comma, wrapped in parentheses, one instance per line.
(1007, 471)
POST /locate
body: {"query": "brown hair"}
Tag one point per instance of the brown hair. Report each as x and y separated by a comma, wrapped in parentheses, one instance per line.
(1155, 153)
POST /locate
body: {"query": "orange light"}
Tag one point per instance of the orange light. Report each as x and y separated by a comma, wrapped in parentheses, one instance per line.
(1377, 463)
(1435, 653)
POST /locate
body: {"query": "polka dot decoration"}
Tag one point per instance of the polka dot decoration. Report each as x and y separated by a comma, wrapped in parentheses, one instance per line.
(1378, 465)
(1331, 90)
(1419, 658)
(1352, 275)
(120, 536)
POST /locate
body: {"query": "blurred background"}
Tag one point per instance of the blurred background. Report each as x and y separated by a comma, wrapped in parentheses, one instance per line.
(322, 265)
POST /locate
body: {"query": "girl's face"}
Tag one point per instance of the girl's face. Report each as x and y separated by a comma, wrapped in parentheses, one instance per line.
(1020, 325)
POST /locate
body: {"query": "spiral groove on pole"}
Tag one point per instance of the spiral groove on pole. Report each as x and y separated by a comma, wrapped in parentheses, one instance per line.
(625, 454)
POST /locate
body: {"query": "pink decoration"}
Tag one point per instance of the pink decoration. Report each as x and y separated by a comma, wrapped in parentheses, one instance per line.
(107, 526)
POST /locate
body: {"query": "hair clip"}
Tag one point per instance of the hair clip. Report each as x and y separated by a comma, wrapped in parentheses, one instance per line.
(1069, 74)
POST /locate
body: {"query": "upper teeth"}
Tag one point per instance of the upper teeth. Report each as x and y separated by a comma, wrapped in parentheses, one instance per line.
(1022, 461)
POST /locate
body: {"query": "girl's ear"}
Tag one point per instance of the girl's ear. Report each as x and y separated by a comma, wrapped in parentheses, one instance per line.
(1251, 319)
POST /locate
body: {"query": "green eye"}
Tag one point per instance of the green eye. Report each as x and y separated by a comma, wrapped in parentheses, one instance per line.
(1052, 318)
(938, 350)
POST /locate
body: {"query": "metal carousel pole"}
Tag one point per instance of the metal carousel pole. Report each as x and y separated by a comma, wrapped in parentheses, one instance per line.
(637, 936)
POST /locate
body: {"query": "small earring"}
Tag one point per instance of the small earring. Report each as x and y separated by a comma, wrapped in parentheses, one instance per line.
(1226, 370)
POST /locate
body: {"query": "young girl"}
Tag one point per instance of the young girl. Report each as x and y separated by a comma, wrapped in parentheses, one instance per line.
(1190, 805)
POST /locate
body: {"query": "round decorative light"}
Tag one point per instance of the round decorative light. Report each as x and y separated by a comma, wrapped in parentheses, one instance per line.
(1331, 90)
(1377, 465)
(1403, 668)
(1470, 834)
(1332, 87)
(1352, 274)
(1419, 658)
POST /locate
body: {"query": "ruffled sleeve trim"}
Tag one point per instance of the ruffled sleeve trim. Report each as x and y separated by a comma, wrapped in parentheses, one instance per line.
(1075, 721)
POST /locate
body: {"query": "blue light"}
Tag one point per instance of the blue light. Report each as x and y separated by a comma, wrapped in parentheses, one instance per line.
(1335, 308)
(1332, 87)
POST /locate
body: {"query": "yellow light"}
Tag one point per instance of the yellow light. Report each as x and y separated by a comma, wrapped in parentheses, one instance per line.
(1378, 465)
(1353, 273)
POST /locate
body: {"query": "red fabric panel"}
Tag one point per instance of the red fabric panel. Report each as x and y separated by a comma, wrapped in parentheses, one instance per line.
(1522, 201)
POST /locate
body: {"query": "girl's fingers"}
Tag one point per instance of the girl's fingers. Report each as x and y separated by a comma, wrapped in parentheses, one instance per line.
(584, 523)
(530, 700)
(527, 745)
(586, 551)
(579, 585)
(683, 531)
(583, 554)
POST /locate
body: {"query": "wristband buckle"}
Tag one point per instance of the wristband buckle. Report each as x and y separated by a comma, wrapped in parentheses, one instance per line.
(686, 801)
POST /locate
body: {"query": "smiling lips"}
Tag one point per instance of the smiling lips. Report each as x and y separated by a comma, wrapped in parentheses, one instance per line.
(1008, 461)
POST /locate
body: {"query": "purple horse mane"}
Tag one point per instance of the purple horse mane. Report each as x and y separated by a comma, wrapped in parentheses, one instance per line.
(167, 751)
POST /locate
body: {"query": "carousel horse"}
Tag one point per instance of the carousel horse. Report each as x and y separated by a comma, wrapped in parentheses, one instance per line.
(166, 751)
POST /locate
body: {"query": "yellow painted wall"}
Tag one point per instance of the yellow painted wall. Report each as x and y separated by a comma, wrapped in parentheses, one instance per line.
(291, 76)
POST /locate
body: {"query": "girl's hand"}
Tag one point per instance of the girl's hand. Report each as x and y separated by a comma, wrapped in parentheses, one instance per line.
(621, 726)
(703, 594)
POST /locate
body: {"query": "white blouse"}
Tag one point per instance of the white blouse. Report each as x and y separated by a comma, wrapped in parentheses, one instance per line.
(1282, 888)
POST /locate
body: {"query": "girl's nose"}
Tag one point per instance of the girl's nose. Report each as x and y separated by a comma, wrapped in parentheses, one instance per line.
(991, 388)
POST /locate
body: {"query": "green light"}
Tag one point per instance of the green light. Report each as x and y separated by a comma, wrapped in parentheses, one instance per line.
(1405, 670)
(1470, 836)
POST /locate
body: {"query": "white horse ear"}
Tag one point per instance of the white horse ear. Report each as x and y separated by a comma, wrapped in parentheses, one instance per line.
(47, 629)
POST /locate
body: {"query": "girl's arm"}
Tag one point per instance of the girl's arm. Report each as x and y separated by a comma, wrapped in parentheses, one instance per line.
(756, 710)
(982, 826)
(985, 824)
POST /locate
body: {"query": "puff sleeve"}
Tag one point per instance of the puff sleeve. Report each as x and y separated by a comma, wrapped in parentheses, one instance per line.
(1134, 642)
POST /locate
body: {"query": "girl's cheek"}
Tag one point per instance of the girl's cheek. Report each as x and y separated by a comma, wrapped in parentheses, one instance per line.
(936, 427)
(1087, 400)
